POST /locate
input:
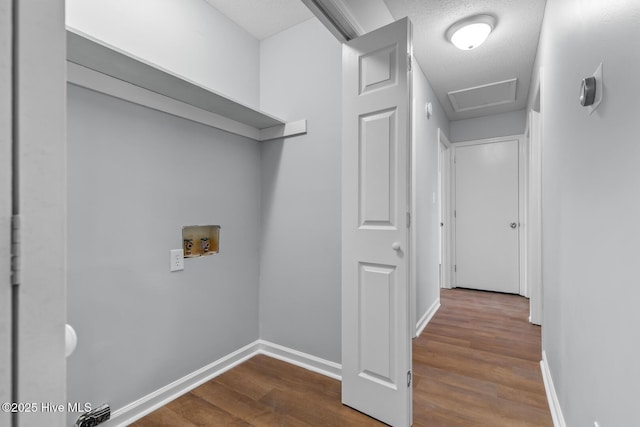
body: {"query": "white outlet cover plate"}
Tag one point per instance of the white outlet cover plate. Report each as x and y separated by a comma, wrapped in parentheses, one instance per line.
(177, 260)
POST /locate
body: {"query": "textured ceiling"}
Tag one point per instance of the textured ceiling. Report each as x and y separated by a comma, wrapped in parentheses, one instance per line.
(263, 18)
(508, 53)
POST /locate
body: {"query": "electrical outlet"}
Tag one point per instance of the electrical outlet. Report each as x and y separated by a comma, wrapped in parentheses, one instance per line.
(177, 259)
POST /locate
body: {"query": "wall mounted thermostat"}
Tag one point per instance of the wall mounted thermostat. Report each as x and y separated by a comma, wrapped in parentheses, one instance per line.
(588, 91)
(592, 90)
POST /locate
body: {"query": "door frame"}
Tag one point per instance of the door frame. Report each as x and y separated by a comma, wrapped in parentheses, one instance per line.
(523, 201)
(444, 209)
(6, 205)
(39, 206)
(534, 134)
(521, 189)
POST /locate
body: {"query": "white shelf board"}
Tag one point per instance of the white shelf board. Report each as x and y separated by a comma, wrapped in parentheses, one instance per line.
(92, 54)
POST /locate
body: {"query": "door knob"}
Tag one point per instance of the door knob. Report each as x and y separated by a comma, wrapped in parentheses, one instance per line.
(513, 225)
(395, 246)
(70, 340)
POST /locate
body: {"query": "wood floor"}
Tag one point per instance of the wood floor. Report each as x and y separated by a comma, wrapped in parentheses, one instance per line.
(476, 364)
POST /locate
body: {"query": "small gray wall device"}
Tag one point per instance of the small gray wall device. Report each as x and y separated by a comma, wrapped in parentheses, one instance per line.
(588, 91)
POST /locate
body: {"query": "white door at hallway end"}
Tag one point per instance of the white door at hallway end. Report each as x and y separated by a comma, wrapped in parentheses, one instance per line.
(487, 215)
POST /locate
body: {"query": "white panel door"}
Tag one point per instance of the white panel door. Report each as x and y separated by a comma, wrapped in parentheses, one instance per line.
(376, 329)
(486, 204)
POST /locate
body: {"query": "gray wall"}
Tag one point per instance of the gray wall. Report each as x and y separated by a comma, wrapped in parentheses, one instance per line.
(426, 149)
(136, 176)
(187, 37)
(505, 124)
(300, 258)
(591, 210)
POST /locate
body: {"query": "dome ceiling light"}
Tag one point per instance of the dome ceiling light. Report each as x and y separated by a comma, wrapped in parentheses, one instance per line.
(471, 32)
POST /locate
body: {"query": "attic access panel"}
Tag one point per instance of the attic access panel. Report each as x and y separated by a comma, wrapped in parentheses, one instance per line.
(488, 95)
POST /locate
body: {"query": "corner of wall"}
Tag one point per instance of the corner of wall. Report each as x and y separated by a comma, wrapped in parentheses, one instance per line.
(299, 187)
(425, 231)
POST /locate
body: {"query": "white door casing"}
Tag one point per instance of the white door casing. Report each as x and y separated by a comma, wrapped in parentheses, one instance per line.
(523, 170)
(6, 142)
(487, 215)
(376, 326)
(40, 135)
(444, 209)
(534, 229)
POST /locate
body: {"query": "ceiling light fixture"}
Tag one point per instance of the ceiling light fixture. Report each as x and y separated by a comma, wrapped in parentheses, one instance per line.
(469, 33)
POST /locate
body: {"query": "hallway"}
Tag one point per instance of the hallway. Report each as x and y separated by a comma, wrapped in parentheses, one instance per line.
(475, 364)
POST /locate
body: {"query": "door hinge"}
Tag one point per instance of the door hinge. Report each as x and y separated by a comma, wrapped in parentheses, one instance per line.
(409, 61)
(15, 250)
(455, 214)
(455, 268)
(408, 378)
(408, 219)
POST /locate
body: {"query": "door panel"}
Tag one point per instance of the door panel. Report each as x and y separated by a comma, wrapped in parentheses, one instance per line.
(376, 157)
(376, 288)
(376, 329)
(378, 69)
(487, 251)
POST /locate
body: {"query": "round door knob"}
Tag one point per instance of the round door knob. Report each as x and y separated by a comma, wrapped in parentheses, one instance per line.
(395, 246)
(70, 340)
(513, 225)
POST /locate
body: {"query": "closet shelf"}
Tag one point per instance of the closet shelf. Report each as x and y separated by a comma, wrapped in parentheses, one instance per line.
(98, 66)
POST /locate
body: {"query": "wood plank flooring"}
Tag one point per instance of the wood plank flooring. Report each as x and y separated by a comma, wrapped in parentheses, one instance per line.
(476, 364)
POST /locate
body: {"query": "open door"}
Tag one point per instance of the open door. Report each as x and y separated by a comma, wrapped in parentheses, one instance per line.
(376, 326)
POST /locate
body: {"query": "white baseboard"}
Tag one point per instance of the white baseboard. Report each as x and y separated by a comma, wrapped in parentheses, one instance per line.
(552, 396)
(304, 360)
(426, 317)
(149, 403)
